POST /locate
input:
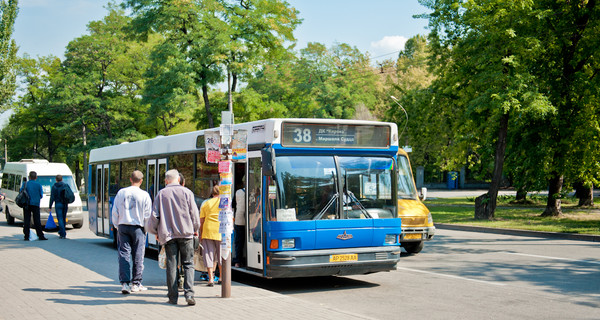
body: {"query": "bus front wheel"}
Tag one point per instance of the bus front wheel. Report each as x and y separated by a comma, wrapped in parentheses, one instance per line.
(10, 220)
(413, 247)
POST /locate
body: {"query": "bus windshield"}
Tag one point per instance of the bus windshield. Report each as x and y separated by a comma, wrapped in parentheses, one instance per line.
(406, 187)
(315, 189)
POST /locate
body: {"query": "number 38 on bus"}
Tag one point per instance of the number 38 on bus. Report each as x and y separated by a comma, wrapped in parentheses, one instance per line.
(321, 195)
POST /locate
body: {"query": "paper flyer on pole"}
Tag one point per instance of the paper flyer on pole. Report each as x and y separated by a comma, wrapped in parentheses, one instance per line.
(213, 146)
(225, 246)
(239, 144)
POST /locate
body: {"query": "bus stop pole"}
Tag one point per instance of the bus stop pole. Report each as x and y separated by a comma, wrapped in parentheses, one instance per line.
(226, 263)
(226, 278)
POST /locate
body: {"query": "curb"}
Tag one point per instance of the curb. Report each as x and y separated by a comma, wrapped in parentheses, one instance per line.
(526, 233)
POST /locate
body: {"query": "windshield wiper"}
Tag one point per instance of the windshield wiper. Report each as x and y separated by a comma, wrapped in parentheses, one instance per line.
(329, 204)
(360, 206)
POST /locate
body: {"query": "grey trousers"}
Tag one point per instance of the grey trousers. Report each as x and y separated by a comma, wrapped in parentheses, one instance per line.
(185, 249)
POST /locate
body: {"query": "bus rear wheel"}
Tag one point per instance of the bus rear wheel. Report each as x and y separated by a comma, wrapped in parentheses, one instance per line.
(413, 247)
(10, 220)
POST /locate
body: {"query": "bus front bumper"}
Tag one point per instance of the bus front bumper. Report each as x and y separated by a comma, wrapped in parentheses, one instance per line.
(415, 234)
(328, 262)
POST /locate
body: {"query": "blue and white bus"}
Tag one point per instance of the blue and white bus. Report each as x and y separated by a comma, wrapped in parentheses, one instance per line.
(321, 194)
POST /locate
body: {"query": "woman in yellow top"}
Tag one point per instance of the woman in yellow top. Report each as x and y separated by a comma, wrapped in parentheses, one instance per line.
(209, 233)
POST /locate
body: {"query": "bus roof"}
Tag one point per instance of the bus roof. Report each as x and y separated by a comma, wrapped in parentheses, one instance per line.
(266, 131)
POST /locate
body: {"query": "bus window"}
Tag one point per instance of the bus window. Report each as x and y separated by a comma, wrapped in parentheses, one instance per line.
(207, 176)
(406, 188)
(11, 182)
(308, 184)
(367, 187)
(184, 163)
(254, 200)
(115, 178)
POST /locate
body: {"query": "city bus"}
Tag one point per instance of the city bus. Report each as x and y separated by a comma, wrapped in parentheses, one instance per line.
(320, 194)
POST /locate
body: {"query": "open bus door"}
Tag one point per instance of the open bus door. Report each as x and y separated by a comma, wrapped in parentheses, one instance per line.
(102, 201)
(254, 212)
(155, 181)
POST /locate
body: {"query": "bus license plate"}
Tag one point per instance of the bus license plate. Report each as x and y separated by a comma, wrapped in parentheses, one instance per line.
(343, 257)
(412, 236)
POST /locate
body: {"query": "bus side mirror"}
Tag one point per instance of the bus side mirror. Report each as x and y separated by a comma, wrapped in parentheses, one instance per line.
(268, 162)
(423, 194)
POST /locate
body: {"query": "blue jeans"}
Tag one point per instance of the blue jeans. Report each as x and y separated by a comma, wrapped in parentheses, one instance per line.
(132, 244)
(185, 249)
(61, 216)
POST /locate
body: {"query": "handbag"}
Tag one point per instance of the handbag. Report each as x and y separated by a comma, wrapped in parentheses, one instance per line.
(162, 258)
(199, 264)
(22, 199)
(196, 242)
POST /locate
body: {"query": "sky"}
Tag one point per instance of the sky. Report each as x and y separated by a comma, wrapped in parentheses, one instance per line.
(380, 27)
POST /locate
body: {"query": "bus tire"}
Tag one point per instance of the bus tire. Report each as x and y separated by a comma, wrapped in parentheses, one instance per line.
(10, 220)
(413, 247)
(77, 225)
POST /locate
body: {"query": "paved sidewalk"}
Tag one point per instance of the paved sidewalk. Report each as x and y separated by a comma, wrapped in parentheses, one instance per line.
(78, 279)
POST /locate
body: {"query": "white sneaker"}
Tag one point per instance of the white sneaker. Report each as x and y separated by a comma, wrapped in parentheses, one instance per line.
(138, 288)
(125, 289)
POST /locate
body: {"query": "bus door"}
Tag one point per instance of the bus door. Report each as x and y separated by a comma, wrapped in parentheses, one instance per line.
(103, 200)
(155, 180)
(254, 212)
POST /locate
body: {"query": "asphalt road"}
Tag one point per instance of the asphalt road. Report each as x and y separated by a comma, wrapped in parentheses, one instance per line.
(467, 275)
(460, 275)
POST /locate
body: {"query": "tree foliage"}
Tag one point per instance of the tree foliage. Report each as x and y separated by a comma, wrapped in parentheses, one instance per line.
(8, 51)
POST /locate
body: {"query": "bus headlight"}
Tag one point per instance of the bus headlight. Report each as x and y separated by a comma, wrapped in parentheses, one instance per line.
(288, 243)
(391, 238)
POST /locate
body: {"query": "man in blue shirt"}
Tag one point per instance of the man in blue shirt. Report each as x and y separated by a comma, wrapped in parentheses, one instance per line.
(35, 191)
(62, 206)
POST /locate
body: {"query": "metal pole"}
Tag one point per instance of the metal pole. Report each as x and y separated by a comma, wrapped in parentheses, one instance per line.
(226, 278)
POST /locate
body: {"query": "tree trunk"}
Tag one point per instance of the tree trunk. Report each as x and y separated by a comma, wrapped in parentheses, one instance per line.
(521, 195)
(584, 194)
(486, 209)
(481, 207)
(85, 157)
(554, 188)
(211, 123)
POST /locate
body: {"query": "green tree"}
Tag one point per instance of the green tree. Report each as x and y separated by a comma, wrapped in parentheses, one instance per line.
(213, 38)
(320, 82)
(483, 51)
(35, 134)
(8, 51)
(568, 69)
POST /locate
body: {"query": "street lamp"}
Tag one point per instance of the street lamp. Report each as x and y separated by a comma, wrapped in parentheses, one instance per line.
(405, 113)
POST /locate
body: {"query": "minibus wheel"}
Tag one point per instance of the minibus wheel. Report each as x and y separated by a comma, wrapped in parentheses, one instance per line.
(9, 219)
(413, 247)
(77, 225)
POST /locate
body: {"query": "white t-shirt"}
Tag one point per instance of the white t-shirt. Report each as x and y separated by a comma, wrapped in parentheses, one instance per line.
(132, 206)
(240, 207)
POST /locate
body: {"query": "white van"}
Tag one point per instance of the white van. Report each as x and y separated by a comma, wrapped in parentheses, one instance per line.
(12, 179)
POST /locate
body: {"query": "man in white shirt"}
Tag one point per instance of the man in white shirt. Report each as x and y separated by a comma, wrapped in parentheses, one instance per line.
(131, 209)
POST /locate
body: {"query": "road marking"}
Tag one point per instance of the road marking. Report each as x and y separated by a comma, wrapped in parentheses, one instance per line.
(452, 276)
(553, 258)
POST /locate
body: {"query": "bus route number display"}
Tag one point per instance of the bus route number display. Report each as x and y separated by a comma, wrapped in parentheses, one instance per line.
(332, 135)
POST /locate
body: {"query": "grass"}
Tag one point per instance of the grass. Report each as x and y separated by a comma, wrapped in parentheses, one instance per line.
(511, 215)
